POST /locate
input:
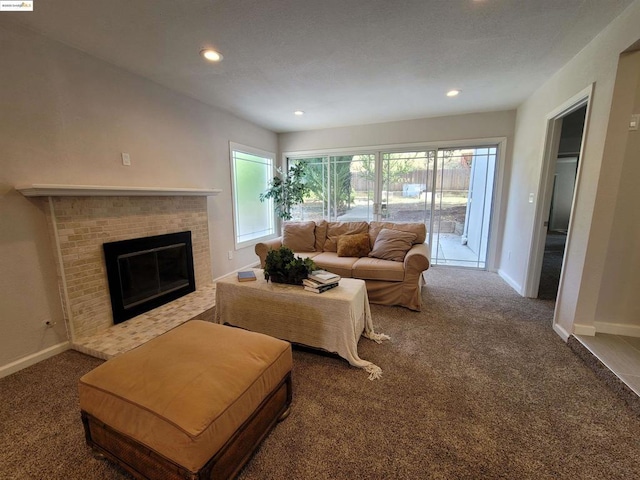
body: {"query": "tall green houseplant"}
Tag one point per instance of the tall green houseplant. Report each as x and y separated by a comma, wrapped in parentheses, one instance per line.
(287, 190)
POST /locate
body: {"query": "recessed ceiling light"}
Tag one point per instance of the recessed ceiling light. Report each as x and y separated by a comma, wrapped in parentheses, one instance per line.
(211, 54)
(299, 113)
(453, 93)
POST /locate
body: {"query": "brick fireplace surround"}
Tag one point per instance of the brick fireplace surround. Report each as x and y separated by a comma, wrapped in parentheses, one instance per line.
(79, 225)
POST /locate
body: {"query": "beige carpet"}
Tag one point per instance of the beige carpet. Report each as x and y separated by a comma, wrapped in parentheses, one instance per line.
(477, 385)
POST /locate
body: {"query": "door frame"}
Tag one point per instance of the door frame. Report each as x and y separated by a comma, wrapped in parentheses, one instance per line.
(545, 189)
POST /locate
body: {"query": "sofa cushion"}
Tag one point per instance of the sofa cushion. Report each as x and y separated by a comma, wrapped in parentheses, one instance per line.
(377, 269)
(321, 234)
(418, 228)
(331, 262)
(392, 244)
(299, 236)
(356, 245)
(335, 229)
(304, 255)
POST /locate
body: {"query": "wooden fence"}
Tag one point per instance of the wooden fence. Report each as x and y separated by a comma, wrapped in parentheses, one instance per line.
(449, 179)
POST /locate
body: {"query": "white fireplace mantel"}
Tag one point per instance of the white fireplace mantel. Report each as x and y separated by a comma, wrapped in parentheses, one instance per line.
(49, 190)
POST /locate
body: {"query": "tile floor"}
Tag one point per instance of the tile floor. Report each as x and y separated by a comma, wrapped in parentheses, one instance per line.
(452, 252)
(620, 354)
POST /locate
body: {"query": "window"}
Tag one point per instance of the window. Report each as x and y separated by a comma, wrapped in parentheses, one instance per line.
(448, 188)
(251, 170)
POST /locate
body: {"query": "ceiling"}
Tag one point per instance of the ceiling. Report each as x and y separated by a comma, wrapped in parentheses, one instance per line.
(343, 62)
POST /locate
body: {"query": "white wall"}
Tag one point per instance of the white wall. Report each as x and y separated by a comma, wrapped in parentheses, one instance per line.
(596, 198)
(65, 117)
(439, 129)
(565, 182)
(618, 309)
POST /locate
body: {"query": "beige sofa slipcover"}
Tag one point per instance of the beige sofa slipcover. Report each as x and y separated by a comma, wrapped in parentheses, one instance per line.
(388, 282)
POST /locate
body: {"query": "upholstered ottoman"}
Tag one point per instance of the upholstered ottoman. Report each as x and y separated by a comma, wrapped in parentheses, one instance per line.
(193, 403)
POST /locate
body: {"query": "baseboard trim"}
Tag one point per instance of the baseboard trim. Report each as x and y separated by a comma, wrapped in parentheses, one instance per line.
(618, 329)
(33, 358)
(246, 267)
(512, 283)
(561, 332)
(589, 330)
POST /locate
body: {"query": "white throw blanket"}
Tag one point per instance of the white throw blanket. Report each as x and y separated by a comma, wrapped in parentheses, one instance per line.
(332, 321)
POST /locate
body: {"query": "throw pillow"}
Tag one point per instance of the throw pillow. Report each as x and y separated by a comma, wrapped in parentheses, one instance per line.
(299, 236)
(335, 229)
(418, 228)
(354, 245)
(392, 245)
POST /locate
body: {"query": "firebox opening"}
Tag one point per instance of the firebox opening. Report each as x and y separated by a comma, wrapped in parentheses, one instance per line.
(145, 273)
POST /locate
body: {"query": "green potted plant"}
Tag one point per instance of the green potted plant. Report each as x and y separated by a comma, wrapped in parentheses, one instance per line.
(287, 190)
(282, 266)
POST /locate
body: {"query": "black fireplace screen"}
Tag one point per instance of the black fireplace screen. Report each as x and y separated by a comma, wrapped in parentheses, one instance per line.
(145, 273)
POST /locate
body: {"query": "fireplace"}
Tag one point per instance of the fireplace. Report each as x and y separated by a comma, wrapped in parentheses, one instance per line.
(144, 273)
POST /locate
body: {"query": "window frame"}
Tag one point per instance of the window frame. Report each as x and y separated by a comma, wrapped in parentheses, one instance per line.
(263, 154)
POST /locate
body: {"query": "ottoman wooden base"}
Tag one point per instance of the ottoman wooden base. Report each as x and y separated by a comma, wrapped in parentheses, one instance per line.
(143, 463)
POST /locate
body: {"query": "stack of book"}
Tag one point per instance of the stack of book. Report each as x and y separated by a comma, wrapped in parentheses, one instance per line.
(320, 281)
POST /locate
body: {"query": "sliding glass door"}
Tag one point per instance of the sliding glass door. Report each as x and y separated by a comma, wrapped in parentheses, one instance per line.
(406, 190)
(462, 213)
(450, 190)
(341, 188)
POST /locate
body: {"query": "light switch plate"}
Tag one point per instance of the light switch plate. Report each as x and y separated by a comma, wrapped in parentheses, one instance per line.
(126, 159)
(635, 120)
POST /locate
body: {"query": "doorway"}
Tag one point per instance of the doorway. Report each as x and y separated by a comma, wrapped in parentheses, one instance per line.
(564, 181)
(465, 191)
(559, 181)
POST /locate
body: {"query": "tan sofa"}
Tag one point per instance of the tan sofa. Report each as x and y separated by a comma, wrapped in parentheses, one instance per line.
(392, 276)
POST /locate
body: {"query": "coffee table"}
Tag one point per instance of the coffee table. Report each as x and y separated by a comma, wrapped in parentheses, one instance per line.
(332, 321)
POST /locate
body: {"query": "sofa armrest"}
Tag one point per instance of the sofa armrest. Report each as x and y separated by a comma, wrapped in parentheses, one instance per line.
(417, 260)
(263, 248)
